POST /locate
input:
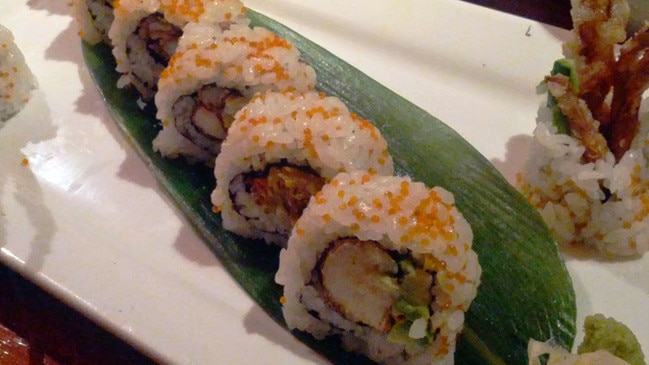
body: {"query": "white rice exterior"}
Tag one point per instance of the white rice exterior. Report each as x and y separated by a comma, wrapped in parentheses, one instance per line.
(94, 18)
(310, 129)
(129, 13)
(397, 213)
(567, 192)
(249, 60)
(16, 79)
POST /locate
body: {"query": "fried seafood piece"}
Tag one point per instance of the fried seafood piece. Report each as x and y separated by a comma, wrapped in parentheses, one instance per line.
(386, 264)
(598, 25)
(275, 197)
(631, 80)
(580, 120)
(358, 280)
(203, 117)
(587, 173)
(610, 82)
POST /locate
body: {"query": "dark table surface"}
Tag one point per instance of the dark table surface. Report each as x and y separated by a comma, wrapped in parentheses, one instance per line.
(36, 328)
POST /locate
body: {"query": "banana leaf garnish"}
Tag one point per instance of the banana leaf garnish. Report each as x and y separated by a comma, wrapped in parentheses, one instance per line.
(526, 291)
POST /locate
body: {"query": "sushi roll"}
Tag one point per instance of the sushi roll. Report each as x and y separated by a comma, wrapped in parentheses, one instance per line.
(280, 150)
(386, 264)
(94, 18)
(16, 79)
(587, 172)
(145, 33)
(212, 76)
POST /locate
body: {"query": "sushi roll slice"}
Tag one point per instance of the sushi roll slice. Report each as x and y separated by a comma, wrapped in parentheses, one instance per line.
(587, 172)
(386, 264)
(94, 18)
(280, 150)
(16, 79)
(145, 34)
(212, 76)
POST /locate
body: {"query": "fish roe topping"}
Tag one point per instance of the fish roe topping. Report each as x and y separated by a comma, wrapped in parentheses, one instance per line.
(376, 202)
(319, 199)
(188, 9)
(197, 11)
(317, 141)
(248, 61)
(366, 124)
(419, 214)
(202, 61)
(432, 218)
(174, 67)
(444, 347)
(358, 214)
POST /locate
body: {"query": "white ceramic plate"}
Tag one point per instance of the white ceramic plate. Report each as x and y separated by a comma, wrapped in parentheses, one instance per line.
(86, 220)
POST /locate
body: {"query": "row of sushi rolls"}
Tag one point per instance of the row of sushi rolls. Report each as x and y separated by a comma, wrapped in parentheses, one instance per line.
(382, 261)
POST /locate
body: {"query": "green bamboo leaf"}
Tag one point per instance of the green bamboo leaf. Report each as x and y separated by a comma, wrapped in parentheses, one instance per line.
(526, 291)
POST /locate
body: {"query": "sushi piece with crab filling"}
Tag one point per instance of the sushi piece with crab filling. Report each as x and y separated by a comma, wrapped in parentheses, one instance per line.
(280, 150)
(212, 76)
(144, 34)
(16, 78)
(384, 263)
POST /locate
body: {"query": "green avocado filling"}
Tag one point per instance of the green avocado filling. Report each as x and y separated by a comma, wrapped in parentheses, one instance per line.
(564, 67)
(412, 308)
(602, 333)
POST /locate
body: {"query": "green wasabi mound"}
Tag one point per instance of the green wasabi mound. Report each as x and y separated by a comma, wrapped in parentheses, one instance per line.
(550, 353)
(606, 342)
(603, 333)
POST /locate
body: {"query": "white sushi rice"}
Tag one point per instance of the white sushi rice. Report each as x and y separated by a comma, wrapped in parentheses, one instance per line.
(404, 217)
(310, 130)
(94, 18)
(16, 79)
(248, 60)
(569, 194)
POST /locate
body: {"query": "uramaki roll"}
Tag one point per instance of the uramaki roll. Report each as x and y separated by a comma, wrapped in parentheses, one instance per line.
(212, 76)
(386, 264)
(16, 78)
(280, 150)
(145, 33)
